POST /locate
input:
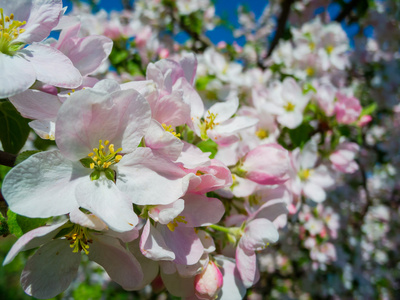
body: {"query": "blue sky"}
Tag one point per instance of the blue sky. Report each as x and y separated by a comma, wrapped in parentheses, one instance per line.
(228, 8)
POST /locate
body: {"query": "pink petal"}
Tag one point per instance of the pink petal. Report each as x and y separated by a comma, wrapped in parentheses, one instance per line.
(119, 263)
(53, 67)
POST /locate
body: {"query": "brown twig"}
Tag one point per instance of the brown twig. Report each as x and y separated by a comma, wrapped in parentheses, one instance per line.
(7, 159)
(346, 10)
(280, 30)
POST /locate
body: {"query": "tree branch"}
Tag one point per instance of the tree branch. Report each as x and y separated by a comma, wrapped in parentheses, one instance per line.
(280, 30)
(346, 10)
(7, 159)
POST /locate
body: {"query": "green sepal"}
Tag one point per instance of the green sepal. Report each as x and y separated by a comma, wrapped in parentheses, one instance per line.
(110, 174)
(19, 225)
(95, 175)
(25, 155)
(208, 146)
(86, 162)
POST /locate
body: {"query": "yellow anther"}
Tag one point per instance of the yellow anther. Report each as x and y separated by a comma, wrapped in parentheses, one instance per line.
(99, 162)
(289, 106)
(262, 133)
(73, 91)
(118, 158)
(172, 225)
(329, 49)
(92, 165)
(111, 148)
(21, 30)
(90, 154)
(95, 158)
(7, 18)
(101, 147)
(12, 16)
(106, 142)
(304, 174)
(310, 71)
(170, 129)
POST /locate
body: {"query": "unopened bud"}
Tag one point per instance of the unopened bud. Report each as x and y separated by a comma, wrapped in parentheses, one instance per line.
(208, 283)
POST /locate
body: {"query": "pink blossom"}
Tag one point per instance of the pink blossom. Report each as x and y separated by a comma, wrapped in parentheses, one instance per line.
(347, 109)
(343, 157)
(33, 20)
(267, 164)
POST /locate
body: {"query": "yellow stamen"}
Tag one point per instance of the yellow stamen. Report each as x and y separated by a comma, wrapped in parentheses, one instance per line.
(172, 225)
(289, 106)
(170, 129)
(262, 133)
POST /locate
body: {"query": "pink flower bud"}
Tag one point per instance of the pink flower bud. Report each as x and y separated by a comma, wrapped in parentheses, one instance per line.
(209, 282)
(267, 164)
(364, 120)
(347, 109)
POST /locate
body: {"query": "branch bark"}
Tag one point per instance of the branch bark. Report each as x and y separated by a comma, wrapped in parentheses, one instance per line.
(346, 10)
(280, 30)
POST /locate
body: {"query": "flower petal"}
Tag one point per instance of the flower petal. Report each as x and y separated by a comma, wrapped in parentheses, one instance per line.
(32, 239)
(17, 75)
(36, 105)
(50, 270)
(150, 179)
(152, 244)
(43, 185)
(105, 200)
(119, 263)
(52, 66)
(44, 16)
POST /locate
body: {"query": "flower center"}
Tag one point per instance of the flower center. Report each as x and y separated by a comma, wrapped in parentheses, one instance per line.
(262, 133)
(208, 123)
(79, 239)
(171, 130)
(9, 31)
(329, 49)
(304, 174)
(289, 106)
(101, 160)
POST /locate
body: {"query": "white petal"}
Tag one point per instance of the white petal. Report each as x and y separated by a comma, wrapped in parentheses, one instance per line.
(43, 185)
(50, 270)
(17, 75)
(105, 200)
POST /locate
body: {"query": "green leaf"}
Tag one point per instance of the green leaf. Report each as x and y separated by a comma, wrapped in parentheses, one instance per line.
(4, 230)
(85, 291)
(25, 155)
(208, 146)
(118, 56)
(300, 135)
(20, 225)
(14, 128)
(369, 109)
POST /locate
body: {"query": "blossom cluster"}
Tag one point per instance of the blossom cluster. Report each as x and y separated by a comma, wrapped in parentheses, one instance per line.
(208, 172)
